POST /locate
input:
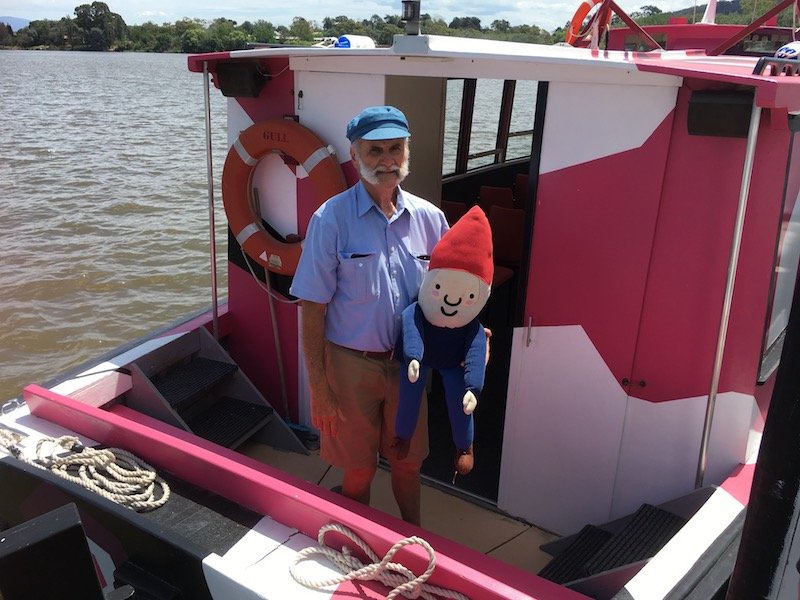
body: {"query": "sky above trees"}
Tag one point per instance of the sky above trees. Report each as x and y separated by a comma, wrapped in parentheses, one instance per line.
(547, 14)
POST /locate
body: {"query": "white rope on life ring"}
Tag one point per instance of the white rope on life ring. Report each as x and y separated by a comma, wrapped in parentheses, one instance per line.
(393, 575)
(113, 473)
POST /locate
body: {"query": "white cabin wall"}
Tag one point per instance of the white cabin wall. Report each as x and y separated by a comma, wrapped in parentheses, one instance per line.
(330, 100)
(661, 447)
(588, 121)
(564, 421)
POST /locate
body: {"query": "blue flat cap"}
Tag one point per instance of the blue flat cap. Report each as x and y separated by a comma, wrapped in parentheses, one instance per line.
(378, 123)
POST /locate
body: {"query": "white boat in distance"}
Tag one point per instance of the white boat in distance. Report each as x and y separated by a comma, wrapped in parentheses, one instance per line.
(646, 249)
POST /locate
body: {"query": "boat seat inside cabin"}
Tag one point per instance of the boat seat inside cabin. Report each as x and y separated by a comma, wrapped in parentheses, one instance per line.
(507, 241)
(490, 195)
(453, 210)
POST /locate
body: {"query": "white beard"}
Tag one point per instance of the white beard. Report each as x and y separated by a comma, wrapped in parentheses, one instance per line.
(371, 175)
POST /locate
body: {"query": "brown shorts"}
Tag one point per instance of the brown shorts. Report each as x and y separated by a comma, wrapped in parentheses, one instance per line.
(367, 390)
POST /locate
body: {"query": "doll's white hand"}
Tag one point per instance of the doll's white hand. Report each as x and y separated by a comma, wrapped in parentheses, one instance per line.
(413, 370)
(470, 402)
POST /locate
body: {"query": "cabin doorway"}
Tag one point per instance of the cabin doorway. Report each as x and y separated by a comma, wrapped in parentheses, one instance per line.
(482, 483)
(488, 141)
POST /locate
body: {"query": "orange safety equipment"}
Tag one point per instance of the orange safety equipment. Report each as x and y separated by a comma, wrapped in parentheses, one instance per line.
(574, 32)
(304, 147)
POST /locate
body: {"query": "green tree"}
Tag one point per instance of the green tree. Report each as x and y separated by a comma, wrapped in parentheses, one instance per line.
(501, 26)
(466, 23)
(97, 39)
(338, 26)
(649, 11)
(6, 35)
(111, 27)
(301, 29)
(263, 31)
(150, 37)
(195, 41)
(431, 26)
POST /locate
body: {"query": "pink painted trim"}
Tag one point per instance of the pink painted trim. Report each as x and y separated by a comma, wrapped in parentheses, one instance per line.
(206, 320)
(195, 62)
(740, 483)
(287, 499)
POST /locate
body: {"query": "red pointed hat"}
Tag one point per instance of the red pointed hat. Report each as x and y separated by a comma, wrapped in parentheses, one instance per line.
(467, 246)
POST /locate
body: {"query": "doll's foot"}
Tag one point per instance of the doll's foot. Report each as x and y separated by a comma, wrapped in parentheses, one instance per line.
(401, 447)
(464, 461)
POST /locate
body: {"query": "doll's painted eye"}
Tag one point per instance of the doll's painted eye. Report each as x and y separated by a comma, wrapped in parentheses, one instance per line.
(438, 286)
(472, 296)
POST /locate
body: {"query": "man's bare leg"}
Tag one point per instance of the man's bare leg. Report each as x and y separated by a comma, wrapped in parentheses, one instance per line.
(357, 482)
(406, 488)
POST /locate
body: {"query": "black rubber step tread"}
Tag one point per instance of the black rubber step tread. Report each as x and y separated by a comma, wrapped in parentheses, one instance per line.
(570, 564)
(228, 421)
(187, 381)
(649, 529)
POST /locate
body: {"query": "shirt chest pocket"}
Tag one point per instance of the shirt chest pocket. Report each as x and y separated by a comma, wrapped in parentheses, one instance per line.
(420, 264)
(358, 276)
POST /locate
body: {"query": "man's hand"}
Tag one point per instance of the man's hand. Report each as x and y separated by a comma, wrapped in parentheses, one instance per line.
(325, 412)
(413, 370)
(469, 402)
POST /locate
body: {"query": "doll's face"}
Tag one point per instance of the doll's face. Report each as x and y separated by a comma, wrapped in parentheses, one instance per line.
(452, 298)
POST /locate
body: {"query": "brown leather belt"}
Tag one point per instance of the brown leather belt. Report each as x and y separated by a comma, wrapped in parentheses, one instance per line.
(382, 355)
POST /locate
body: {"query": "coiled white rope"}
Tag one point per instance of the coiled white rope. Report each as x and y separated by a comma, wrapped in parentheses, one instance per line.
(115, 474)
(393, 575)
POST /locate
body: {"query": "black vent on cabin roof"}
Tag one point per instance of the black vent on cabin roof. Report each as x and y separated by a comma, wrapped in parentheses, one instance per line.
(720, 113)
(241, 79)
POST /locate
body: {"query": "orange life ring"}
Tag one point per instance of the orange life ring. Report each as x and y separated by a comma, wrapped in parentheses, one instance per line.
(574, 30)
(302, 145)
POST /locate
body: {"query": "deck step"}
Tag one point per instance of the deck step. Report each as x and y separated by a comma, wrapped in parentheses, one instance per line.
(595, 550)
(229, 421)
(186, 382)
(570, 564)
(643, 536)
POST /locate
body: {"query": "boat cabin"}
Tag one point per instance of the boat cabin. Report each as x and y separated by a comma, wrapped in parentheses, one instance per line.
(618, 188)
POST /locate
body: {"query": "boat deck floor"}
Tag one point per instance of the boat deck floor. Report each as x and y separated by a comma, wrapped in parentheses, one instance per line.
(483, 529)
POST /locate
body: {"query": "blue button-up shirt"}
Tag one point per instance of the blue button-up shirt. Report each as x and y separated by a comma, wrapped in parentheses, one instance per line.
(366, 267)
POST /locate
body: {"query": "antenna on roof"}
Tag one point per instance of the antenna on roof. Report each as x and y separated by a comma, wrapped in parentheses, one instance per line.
(411, 16)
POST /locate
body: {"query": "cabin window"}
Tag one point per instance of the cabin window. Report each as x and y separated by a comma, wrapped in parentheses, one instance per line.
(487, 122)
(760, 44)
(635, 43)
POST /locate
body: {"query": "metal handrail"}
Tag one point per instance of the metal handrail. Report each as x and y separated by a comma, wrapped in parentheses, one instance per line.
(211, 222)
(733, 262)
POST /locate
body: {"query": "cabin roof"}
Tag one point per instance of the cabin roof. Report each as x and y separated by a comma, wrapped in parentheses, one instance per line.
(442, 56)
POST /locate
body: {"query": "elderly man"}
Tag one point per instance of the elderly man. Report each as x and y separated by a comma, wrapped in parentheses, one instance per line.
(364, 258)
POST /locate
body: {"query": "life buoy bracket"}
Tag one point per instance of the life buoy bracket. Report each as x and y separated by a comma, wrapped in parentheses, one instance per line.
(301, 145)
(574, 30)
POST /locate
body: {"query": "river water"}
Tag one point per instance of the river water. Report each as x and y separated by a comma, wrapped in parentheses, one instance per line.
(104, 204)
(104, 200)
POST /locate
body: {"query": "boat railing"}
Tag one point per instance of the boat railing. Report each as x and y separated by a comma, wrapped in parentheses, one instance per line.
(591, 32)
(740, 35)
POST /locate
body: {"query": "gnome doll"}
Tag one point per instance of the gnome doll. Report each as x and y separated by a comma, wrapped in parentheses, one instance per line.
(441, 331)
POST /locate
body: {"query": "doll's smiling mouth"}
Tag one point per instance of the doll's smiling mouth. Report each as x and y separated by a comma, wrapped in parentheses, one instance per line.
(448, 303)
